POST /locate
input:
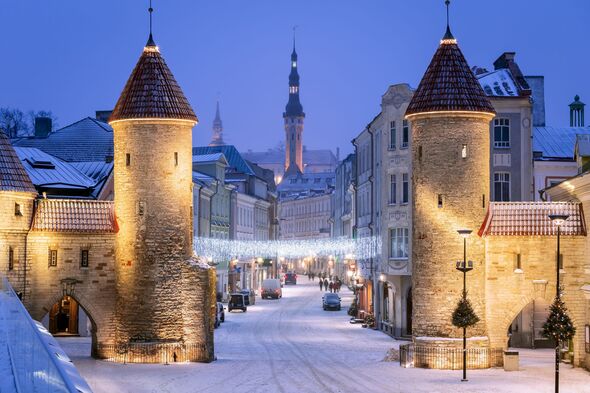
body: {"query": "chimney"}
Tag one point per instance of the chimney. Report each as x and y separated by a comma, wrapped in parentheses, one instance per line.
(43, 126)
(577, 112)
(504, 61)
(103, 116)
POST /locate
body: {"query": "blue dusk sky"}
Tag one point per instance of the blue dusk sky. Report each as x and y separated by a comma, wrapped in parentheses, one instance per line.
(73, 57)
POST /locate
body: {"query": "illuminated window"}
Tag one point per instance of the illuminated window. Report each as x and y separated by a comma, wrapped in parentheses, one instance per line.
(501, 133)
(52, 258)
(398, 243)
(464, 151)
(84, 258)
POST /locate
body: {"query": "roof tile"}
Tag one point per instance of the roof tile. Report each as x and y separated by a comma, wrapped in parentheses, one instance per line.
(76, 216)
(13, 176)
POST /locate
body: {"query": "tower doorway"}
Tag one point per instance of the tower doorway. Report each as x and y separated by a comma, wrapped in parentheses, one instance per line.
(526, 330)
(63, 317)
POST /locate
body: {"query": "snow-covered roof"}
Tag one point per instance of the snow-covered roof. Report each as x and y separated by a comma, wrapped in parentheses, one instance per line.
(557, 143)
(211, 157)
(532, 219)
(498, 83)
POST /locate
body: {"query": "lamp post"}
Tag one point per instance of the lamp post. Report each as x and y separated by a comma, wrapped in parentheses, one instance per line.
(464, 266)
(558, 220)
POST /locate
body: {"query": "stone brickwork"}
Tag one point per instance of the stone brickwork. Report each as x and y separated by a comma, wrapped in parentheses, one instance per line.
(153, 203)
(508, 291)
(451, 192)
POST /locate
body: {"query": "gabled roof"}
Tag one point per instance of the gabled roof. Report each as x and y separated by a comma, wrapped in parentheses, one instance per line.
(532, 219)
(236, 162)
(85, 140)
(202, 178)
(498, 83)
(557, 143)
(13, 176)
(47, 171)
(212, 157)
(152, 92)
(99, 171)
(449, 84)
(77, 216)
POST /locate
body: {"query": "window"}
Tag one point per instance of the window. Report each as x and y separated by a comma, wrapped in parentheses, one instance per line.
(502, 187)
(439, 201)
(398, 243)
(517, 263)
(141, 208)
(175, 158)
(501, 133)
(18, 211)
(393, 190)
(405, 188)
(84, 258)
(405, 134)
(52, 261)
(464, 151)
(392, 135)
(127, 159)
(587, 338)
(10, 258)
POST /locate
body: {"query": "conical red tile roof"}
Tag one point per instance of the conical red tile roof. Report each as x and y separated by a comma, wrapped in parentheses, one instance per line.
(449, 84)
(152, 92)
(13, 176)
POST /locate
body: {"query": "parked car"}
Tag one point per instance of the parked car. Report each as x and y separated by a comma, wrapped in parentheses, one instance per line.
(291, 278)
(219, 314)
(246, 293)
(237, 301)
(271, 288)
(331, 301)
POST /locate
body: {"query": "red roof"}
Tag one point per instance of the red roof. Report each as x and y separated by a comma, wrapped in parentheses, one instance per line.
(152, 92)
(449, 84)
(78, 216)
(13, 176)
(532, 219)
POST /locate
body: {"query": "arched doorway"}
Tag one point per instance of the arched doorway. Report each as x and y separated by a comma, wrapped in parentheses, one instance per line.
(526, 330)
(73, 326)
(409, 312)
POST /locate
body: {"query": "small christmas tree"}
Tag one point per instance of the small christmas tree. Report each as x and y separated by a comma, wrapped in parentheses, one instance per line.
(464, 316)
(559, 326)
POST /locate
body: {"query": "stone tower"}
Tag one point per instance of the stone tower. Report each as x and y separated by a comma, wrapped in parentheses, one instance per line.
(17, 196)
(294, 117)
(450, 117)
(217, 139)
(165, 297)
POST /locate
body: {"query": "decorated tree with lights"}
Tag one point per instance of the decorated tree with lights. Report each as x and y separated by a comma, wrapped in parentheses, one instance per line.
(464, 316)
(559, 326)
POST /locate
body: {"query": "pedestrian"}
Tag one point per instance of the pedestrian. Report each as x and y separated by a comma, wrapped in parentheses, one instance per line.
(325, 284)
(331, 286)
(321, 285)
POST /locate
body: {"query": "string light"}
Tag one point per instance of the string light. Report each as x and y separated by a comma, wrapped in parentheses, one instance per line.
(223, 249)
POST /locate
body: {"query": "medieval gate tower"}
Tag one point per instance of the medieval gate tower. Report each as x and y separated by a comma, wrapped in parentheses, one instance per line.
(450, 117)
(164, 297)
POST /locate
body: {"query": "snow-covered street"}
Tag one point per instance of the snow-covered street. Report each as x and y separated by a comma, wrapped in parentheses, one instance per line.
(292, 345)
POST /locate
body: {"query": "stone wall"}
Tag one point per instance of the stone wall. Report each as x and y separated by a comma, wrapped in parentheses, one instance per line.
(461, 185)
(93, 286)
(509, 291)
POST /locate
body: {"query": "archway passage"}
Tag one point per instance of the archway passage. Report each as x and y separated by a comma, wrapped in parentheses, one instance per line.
(526, 330)
(74, 328)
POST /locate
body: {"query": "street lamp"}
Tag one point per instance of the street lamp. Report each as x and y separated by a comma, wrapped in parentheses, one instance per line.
(464, 266)
(558, 220)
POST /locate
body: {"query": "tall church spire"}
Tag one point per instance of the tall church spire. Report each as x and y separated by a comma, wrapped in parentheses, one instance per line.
(217, 139)
(293, 117)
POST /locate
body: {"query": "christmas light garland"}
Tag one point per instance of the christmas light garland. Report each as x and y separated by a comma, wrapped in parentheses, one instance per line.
(223, 249)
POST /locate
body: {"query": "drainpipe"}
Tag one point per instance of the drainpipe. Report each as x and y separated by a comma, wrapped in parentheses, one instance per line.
(374, 299)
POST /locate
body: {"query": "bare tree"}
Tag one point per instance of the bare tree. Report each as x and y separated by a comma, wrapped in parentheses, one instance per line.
(12, 122)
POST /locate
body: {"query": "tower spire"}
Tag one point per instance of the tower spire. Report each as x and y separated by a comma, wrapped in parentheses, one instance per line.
(217, 139)
(448, 35)
(151, 41)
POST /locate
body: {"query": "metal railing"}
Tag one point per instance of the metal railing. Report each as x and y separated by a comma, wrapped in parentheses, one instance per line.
(37, 362)
(150, 352)
(449, 358)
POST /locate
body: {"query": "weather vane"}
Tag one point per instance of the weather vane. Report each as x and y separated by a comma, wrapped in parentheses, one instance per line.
(150, 10)
(447, 3)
